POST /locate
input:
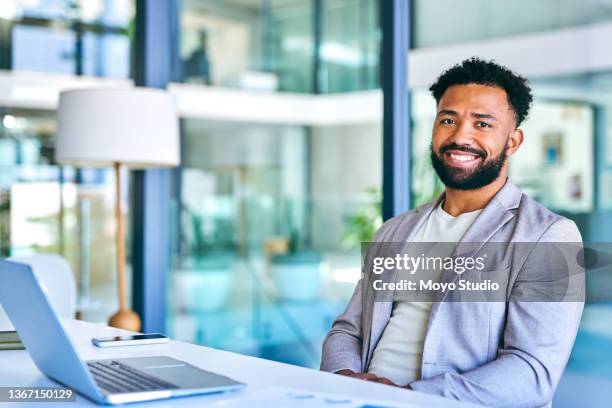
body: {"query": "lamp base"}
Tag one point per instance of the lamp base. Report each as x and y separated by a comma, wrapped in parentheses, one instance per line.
(125, 319)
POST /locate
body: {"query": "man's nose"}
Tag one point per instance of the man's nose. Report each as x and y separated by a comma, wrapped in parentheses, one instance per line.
(463, 135)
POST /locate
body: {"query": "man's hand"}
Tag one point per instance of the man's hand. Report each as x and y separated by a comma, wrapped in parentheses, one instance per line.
(361, 376)
(367, 377)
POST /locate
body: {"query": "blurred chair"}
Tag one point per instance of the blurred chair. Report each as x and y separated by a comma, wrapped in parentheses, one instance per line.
(56, 277)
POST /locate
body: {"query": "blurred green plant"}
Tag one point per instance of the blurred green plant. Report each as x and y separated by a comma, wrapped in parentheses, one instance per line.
(362, 225)
(201, 240)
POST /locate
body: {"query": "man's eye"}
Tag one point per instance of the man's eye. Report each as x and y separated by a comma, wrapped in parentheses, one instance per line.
(447, 121)
(484, 125)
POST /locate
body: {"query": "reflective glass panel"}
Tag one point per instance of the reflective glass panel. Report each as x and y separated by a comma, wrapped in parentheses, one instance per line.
(271, 217)
(85, 37)
(281, 45)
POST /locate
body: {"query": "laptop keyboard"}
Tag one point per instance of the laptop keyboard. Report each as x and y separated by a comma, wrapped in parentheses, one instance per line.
(117, 378)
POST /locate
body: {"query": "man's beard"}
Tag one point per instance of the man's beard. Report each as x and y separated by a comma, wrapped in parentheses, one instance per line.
(468, 179)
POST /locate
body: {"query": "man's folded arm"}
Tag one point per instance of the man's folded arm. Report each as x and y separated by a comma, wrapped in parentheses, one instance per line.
(528, 367)
(342, 346)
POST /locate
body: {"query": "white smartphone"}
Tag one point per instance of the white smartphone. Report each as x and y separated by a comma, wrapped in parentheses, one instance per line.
(130, 340)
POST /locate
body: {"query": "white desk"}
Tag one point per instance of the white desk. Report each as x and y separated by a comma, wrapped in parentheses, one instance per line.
(18, 370)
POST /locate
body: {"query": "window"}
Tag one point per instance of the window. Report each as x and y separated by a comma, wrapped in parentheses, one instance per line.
(281, 45)
(58, 36)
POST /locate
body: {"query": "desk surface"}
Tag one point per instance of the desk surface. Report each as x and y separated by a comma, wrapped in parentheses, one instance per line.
(18, 370)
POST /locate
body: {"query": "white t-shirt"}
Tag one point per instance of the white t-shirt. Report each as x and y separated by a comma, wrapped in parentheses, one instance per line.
(399, 352)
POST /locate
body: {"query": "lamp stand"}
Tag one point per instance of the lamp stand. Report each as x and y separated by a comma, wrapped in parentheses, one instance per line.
(125, 318)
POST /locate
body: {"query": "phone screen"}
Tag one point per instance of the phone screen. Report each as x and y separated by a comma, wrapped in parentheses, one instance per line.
(132, 337)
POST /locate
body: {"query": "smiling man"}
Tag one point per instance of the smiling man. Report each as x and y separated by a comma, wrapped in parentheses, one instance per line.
(510, 353)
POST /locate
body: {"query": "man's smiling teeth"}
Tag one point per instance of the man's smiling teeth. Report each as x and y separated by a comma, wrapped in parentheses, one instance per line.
(462, 157)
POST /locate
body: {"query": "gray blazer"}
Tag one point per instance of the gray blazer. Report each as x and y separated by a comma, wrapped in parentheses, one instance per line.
(509, 354)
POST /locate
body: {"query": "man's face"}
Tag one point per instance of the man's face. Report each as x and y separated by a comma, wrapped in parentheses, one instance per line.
(474, 133)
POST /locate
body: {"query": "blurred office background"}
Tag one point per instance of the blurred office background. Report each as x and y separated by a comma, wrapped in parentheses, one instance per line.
(281, 131)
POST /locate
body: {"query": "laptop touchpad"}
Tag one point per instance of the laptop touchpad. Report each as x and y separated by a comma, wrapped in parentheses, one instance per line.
(177, 372)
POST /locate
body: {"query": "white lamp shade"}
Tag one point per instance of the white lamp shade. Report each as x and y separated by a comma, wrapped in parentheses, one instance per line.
(137, 127)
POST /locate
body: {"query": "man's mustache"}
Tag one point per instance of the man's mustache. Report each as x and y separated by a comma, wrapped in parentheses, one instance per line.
(452, 146)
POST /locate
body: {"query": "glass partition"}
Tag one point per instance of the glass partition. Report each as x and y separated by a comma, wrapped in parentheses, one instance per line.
(69, 37)
(252, 45)
(281, 45)
(350, 45)
(271, 217)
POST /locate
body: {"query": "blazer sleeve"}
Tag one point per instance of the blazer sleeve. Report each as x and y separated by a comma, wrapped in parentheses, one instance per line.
(342, 345)
(537, 341)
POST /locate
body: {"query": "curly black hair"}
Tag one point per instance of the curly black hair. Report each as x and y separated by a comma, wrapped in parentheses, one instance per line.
(477, 71)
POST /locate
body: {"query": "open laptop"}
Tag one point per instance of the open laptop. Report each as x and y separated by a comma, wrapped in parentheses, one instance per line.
(109, 382)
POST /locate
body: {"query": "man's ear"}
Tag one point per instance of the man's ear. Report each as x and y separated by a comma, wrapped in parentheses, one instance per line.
(514, 141)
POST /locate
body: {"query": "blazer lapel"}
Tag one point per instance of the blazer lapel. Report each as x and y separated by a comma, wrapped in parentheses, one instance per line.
(495, 214)
(380, 312)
